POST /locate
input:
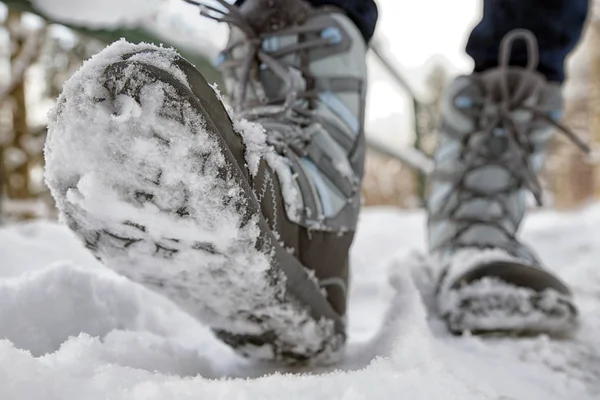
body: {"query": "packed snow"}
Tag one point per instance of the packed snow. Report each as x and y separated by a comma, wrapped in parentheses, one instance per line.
(73, 329)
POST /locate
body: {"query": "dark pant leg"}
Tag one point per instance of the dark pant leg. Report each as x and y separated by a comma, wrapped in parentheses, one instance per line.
(557, 25)
(362, 12)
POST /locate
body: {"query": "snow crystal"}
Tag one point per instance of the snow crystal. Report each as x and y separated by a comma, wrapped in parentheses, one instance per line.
(252, 134)
(255, 142)
(256, 149)
(163, 60)
(289, 186)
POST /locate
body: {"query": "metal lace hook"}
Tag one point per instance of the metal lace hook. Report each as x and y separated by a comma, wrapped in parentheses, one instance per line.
(230, 14)
(226, 5)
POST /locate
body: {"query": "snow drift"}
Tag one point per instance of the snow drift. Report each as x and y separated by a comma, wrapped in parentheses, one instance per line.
(72, 329)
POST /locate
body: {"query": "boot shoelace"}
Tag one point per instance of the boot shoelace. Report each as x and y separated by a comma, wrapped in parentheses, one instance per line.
(293, 110)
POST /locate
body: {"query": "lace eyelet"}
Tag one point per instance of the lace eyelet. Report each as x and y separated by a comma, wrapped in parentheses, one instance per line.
(221, 58)
(332, 34)
(463, 102)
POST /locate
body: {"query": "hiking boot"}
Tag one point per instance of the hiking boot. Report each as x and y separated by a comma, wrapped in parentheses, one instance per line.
(495, 129)
(244, 223)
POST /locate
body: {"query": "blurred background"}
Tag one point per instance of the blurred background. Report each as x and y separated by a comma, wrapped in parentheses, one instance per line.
(42, 42)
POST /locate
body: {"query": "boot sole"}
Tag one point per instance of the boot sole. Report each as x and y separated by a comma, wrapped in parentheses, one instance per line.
(162, 201)
(493, 307)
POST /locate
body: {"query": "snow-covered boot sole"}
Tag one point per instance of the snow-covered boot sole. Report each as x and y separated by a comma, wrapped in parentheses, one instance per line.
(138, 165)
(488, 301)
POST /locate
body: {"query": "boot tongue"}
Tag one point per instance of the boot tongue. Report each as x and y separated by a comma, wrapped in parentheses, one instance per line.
(268, 16)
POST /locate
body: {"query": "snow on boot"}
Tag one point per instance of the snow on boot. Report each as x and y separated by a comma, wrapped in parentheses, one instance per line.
(167, 188)
(496, 125)
(286, 68)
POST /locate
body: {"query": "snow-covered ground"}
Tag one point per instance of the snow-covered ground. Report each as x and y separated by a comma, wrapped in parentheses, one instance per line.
(72, 329)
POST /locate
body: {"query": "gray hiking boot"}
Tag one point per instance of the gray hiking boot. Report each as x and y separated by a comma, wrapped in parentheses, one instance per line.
(496, 126)
(286, 68)
(245, 225)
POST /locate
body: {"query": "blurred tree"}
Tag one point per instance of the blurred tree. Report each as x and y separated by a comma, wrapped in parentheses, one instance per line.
(60, 58)
(39, 57)
(24, 46)
(573, 180)
(392, 188)
(436, 80)
(427, 119)
(134, 35)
